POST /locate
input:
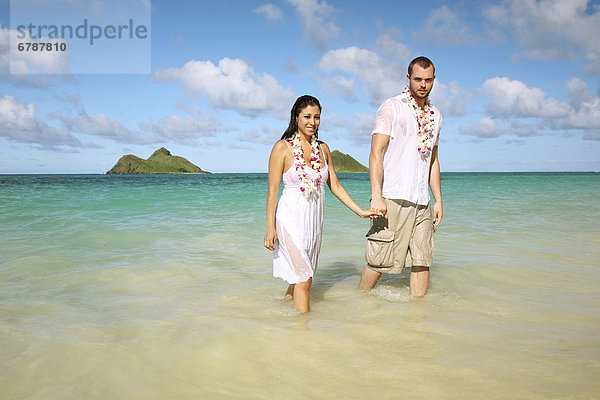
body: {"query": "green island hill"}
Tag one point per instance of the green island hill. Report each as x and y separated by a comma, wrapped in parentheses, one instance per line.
(160, 162)
(345, 163)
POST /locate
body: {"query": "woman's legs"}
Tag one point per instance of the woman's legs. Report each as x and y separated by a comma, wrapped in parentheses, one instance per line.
(301, 293)
(289, 294)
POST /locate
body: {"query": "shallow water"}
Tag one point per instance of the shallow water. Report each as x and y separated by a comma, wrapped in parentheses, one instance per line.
(154, 287)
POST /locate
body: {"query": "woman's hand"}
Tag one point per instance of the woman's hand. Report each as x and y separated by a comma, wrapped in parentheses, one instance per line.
(370, 213)
(270, 239)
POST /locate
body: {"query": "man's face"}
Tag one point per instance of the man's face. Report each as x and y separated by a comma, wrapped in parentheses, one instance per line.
(421, 81)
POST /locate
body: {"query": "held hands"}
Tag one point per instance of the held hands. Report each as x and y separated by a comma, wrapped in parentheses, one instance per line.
(378, 208)
(368, 213)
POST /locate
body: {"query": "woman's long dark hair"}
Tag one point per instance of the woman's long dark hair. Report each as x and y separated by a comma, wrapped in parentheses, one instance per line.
(301, 103)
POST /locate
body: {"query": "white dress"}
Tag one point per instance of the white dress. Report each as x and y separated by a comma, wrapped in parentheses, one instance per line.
(299, 227)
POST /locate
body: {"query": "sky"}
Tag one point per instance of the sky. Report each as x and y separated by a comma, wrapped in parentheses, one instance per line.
(517, 81)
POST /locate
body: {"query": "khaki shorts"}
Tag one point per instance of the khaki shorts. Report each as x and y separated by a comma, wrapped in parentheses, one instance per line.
(413, 235)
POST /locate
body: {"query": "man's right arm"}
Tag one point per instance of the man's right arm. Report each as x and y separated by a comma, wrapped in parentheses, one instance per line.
(379, 144)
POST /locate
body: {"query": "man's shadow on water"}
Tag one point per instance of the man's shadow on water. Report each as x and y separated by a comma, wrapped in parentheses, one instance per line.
(328, 275)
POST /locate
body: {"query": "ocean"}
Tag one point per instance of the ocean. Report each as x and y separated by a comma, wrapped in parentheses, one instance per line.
(159, 287)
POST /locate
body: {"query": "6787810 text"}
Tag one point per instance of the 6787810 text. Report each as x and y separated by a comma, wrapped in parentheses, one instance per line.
(41, 46)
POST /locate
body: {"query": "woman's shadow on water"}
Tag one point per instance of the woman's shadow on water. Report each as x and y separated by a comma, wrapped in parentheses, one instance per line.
(331, 274)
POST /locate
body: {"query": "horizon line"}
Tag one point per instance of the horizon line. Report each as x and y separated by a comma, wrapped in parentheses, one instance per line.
(265, 172)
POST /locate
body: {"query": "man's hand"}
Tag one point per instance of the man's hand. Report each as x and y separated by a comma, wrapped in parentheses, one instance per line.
(438, 213)
(378, 206)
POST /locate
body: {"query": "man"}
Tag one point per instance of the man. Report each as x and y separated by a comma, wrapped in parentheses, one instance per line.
(403, 164)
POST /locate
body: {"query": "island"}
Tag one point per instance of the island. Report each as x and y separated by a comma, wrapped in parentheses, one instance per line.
(160, 162)
(345, 163)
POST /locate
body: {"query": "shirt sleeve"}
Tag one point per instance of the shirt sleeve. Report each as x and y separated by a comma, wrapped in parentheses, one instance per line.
(384, 119)
(439, 129)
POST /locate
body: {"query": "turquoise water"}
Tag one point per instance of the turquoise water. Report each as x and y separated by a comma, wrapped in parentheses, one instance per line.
(158, 286)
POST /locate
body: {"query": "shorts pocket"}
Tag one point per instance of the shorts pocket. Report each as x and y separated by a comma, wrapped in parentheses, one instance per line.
(379, 251)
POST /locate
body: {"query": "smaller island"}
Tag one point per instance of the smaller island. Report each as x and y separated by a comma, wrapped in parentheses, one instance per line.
(345, 163)
(160, 162)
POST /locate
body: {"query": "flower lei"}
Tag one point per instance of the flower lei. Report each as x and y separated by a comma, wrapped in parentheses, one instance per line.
(307, 185)
(425, 121)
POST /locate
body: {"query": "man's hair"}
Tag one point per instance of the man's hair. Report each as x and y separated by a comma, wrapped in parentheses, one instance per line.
(423, 62)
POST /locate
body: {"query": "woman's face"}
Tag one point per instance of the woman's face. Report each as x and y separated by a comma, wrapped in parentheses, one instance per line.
(308, 120)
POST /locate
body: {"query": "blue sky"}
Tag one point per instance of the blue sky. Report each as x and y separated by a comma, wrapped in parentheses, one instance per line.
(518, 83)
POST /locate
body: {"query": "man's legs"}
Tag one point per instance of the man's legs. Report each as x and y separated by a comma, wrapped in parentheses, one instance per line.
(419, 280)
(422, 251)
(414, 233)
(368, 279)
(400, 245)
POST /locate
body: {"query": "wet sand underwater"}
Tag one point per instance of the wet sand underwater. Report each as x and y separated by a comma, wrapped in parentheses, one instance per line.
(143, 288)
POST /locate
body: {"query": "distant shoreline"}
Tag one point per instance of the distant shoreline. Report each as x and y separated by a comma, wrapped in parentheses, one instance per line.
(151, 173)
(265, 172)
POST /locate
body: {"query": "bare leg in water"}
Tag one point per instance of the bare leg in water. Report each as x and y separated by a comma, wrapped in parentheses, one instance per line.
(368, 279)
(300, 292)
(289, 294)
(419, 280)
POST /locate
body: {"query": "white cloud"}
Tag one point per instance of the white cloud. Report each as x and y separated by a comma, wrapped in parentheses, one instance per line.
(15, 115)
(19, 123)
(578, 92)
(361, 127)
(102, 126)
(394, 49)
(384, 79)
(585, 113)
(445, 28)
(512, 98)
(268, 136)
(522, 129)
(183, 130)
(549, 29)
(486, 127)
(231, 84)
(30, 62)
(450, 99)
(356, 130)
(176, 124)
(344, 87)
(313, 17)
(270, 12)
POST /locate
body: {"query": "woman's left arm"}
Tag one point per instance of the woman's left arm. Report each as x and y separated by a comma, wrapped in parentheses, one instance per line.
(338, 190)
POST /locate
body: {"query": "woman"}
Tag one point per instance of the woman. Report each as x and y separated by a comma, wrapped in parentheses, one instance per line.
(294, 225)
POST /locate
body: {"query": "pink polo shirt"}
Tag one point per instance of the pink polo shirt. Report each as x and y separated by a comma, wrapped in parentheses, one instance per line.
(405, 171)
